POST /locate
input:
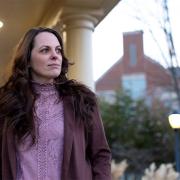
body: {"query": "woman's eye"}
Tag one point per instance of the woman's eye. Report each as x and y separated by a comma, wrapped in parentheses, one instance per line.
(58, 50)
(44, 50)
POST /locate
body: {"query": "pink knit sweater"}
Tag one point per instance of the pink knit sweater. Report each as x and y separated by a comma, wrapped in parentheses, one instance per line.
(43, 160)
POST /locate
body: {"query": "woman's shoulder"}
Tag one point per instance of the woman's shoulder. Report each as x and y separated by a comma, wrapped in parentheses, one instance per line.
(6, 92)
(75, 88)
(3, 92)
(81, 94)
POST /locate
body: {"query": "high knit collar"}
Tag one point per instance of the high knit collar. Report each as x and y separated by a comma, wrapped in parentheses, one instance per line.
(43, 87)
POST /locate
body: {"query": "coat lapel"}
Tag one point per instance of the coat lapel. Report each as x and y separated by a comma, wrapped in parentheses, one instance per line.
(8, 156)
(69, 120)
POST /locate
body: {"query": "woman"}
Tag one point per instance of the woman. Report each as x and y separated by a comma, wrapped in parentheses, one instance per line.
(50, 126)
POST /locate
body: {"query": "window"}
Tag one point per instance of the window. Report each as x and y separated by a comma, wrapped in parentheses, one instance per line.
(108, 95)
(135, 85)
(133, 54)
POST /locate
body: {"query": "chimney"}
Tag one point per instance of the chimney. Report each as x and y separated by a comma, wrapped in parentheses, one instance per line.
(133, 47)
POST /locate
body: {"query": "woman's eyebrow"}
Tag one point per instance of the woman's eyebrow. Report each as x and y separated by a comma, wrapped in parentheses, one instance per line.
(58, 46)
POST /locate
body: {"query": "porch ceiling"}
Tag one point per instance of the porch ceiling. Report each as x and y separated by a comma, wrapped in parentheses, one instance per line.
(20, 15)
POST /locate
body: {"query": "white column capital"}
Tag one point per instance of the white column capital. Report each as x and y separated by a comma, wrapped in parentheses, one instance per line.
(78, 20)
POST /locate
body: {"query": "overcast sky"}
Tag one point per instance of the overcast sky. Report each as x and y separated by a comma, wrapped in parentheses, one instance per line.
(107, 38)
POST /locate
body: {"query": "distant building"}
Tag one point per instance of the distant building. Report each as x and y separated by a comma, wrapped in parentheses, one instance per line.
(136, 73)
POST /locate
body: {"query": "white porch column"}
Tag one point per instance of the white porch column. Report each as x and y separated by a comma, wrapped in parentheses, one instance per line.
(77, 35)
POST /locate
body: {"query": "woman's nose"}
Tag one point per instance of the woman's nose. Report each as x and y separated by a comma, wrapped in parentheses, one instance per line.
(54, 55)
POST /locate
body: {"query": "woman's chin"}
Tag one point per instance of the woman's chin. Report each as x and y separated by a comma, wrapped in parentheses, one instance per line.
(55, 74)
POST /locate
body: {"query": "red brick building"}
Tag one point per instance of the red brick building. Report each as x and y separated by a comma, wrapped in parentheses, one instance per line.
(135, 72)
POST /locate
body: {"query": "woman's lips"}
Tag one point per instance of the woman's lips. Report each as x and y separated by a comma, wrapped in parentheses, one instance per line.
(54, 65)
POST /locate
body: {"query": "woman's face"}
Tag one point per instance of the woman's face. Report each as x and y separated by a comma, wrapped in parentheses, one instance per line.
(46, 58)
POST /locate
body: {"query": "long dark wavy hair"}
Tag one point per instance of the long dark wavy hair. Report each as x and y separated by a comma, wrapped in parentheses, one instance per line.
(17, 96)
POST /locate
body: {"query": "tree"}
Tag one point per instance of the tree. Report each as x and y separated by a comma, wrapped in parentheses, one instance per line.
(137, 132)
(161, 19)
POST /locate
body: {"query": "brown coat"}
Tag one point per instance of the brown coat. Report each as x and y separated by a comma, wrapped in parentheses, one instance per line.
(84, 158)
